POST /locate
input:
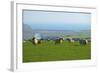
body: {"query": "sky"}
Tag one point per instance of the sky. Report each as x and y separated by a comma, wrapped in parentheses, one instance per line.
(57, 20)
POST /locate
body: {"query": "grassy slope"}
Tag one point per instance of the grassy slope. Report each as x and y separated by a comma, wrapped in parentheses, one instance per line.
(48, 51)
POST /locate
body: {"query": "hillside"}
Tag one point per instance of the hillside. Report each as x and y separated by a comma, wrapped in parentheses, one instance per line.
(28, 33)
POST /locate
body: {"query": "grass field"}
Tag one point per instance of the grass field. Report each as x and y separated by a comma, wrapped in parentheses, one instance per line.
(48, 51)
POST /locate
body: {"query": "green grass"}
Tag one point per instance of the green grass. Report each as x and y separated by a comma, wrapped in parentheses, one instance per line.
(48, 51)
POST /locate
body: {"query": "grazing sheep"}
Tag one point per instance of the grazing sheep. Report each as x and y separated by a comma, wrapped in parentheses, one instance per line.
(83, 42)
(36, 41)
(70, 40)
(58, 40)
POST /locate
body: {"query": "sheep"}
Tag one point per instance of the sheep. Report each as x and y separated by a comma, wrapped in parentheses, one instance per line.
(58, 40)
(83, 42)
(36, 41)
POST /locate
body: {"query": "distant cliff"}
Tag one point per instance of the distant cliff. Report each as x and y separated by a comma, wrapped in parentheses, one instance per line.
(27, 32)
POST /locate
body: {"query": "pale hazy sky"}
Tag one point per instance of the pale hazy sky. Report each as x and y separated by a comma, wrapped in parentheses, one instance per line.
(57, 20)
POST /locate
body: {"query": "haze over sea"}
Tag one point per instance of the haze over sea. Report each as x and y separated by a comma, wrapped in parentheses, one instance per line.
(49, 20)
